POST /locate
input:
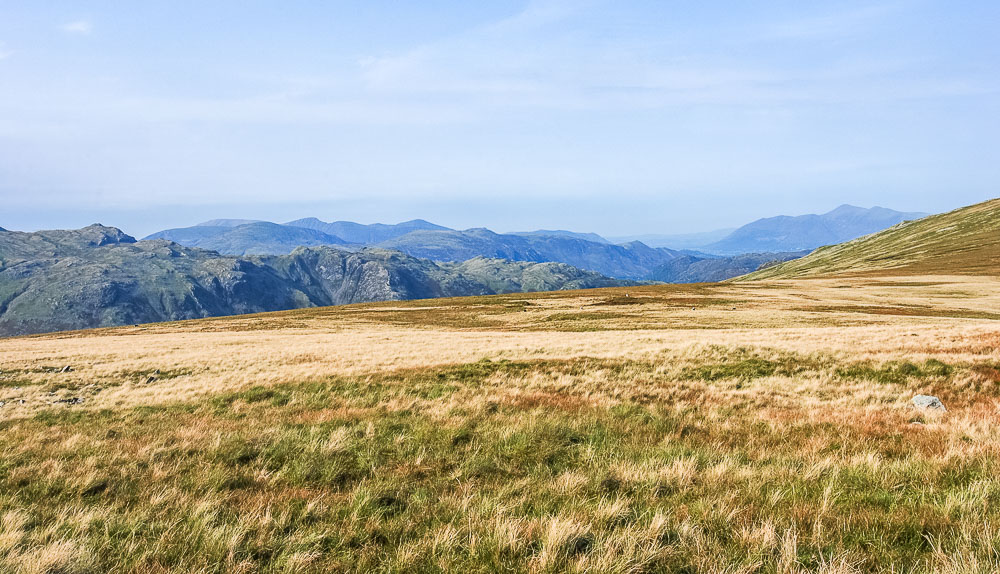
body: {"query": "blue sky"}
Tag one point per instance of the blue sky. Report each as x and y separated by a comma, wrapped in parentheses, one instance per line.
(615, 117)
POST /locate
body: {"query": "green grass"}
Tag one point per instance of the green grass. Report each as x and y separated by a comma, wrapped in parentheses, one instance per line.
(964, 241)
(443, 470)
(895, 373)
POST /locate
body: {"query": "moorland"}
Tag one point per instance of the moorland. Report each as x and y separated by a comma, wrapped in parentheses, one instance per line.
(750, 426)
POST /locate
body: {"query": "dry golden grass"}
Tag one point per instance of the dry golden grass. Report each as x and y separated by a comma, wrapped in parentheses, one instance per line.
(705, 428)
(861, 319)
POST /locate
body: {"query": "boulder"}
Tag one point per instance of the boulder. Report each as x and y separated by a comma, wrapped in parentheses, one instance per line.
(928, 402)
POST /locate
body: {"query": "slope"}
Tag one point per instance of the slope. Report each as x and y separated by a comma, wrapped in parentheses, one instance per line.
(962, 242)
(365, 234)
(631, 261)
(257, 238)
(98, 276)
(807, 232)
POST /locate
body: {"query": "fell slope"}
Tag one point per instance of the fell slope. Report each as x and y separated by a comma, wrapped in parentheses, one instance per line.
(962, 242)
(693, 269)
(363, 234)
(750, 427)
(99, 276)
(806, 232)
(256, 238)
(631, 261)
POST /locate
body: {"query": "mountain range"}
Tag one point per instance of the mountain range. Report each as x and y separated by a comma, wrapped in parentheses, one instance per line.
(423, 239)
(363, 234)
(740, 248)
(252, 238)
(807, 232)
(99, 276)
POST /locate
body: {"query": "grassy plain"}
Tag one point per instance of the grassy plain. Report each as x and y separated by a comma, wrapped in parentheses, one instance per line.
(747, 427)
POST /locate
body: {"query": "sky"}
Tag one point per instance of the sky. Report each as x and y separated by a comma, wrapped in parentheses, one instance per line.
(610, 116)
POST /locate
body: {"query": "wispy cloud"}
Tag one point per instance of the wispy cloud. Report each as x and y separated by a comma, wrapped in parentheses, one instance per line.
(533, 59)
(82, 27)
(845, 23)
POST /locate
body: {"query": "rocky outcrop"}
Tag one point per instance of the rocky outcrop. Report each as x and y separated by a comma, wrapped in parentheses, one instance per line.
(98, 276)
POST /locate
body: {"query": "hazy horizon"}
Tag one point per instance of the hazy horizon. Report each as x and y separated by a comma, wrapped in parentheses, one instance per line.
(148, 223)
(616, 118)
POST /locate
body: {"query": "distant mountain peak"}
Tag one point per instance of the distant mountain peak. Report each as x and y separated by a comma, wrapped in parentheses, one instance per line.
(98, 235)
(785, 233)
(965, 241)
(227, 222)
(367, 234)
(563, 233)
(847, 208)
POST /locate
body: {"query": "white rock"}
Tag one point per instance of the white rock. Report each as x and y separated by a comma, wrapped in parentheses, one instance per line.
(928, 402)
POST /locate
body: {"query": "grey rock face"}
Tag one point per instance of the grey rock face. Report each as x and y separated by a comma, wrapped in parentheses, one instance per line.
(928, 402)
(99, 277)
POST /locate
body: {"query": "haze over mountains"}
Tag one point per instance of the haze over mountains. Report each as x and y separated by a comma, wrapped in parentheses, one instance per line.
(784, 235)
(99, 276)
(807, 232)
(254, 238)
(366, 234)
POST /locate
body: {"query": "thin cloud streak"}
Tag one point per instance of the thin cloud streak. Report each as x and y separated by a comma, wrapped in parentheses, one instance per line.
(82, 27)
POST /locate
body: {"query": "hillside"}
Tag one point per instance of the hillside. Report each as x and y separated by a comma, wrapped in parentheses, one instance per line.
(964, 242)
(227, 222)
(806, 232)
(255, 238)
(422, 239)
(631, 260)
(563, 233)
(98, 276)
(363, 234)
(678, 241)
(693, 269)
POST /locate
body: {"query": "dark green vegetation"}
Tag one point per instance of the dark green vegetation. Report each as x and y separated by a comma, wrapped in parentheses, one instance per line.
(894, 373)
(695, 269)
(965, 241)
(807, 232)
(550, 466)
(98, 276)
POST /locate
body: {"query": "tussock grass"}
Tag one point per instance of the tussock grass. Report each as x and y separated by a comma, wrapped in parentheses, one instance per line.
(352, 440)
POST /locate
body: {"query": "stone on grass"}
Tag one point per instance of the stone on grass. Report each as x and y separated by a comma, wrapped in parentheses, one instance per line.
(928, 402)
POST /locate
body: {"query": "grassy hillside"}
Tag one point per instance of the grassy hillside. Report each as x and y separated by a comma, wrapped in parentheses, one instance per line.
(807, 232)
(965, 241)
(753, 427)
